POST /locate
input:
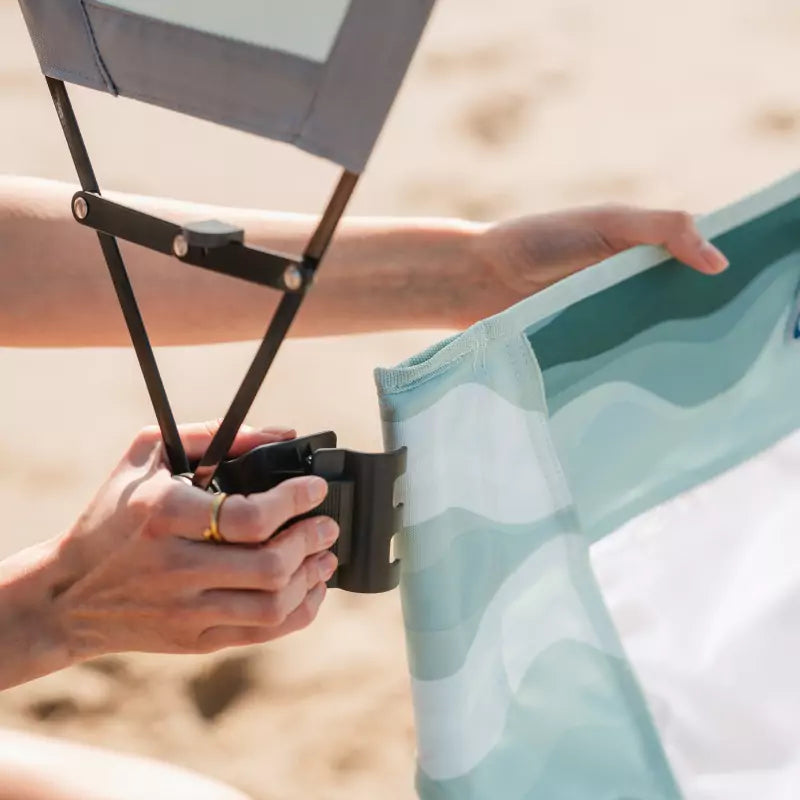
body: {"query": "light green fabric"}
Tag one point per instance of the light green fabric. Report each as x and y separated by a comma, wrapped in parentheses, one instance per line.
(545, 428)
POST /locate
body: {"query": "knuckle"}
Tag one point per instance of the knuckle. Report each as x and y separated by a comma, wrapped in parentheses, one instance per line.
(191, 574)
(272, 612)
(166, 507)
(147, 435)
(313, 568)
(681, 222)
(275, 568)
(187, 620)
(145, 449)
(307, 533)
(243, 515)
(167, 497)
(306, 613)
(140, 507)
(213, 608)
(154, 505)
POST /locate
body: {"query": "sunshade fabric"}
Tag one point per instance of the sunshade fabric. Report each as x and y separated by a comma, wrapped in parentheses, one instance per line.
(320, 74)
(600, 580)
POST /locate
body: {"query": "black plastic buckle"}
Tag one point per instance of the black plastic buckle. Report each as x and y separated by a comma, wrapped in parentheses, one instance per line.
(361, 499)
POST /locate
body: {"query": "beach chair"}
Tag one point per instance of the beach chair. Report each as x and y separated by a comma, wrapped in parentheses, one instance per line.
(318, 74)
(601, 582)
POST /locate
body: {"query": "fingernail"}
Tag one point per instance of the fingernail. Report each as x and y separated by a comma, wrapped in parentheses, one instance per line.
(327, 565)
(714, 258)
(327, 530)
(316, 489)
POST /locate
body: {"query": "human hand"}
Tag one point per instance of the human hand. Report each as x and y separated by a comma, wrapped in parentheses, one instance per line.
(533, 252)
(134, 573)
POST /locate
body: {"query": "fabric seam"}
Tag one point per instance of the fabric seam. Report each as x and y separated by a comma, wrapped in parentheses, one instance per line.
(98, 58)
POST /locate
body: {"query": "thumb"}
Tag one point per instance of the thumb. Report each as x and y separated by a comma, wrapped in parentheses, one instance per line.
(197, 437)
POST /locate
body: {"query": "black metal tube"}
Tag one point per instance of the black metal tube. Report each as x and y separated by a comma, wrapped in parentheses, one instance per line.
(176, 454)
(321, 238)
(276, 333)
(245, 397)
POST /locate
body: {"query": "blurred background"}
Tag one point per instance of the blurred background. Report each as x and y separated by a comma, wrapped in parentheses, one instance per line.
(510, 107)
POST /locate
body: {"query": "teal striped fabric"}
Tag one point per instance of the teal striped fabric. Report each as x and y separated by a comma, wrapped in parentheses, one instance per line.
(542, 430)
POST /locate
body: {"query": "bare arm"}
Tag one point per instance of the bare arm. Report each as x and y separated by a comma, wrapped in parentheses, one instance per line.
(380, 274)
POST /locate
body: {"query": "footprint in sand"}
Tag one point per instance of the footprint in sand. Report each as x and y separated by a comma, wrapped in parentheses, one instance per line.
(497, 119)
(487, 57)
(777, 121)
(218, 686)
(79, 694)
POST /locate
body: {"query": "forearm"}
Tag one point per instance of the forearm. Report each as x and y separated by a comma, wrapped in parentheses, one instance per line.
(32, 643)
(379, 274)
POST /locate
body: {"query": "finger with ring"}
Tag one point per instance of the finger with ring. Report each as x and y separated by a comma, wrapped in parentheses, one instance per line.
(213, 533)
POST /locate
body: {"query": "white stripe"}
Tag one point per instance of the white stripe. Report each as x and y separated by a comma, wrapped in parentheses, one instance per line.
(705, 591)
(474, 450)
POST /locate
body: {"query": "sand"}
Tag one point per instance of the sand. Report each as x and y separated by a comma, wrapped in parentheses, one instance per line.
(511, 107)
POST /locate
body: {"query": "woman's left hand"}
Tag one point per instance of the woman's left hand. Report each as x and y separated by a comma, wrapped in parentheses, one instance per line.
(530, 253)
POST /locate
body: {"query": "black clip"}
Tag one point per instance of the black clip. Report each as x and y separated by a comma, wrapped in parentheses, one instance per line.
(361, 498)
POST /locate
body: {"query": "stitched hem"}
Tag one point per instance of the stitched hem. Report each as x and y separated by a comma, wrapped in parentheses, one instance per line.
(98, 58)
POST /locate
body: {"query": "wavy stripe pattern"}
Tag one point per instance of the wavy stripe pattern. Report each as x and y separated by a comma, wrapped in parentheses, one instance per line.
(520, 684)
(661, 448)
(505, 483)
(694, 365)
(505, 647)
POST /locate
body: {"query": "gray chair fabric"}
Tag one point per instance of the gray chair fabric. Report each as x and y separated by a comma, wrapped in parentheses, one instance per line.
(319, 74)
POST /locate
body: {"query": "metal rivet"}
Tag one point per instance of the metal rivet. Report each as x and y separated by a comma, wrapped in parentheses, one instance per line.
(293, 278)
(80, 208)
(180, 246)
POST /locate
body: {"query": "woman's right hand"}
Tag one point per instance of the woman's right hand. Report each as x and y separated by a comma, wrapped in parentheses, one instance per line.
(134, 573)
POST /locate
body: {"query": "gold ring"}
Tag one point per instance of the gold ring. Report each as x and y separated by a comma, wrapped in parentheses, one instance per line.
(212, 533)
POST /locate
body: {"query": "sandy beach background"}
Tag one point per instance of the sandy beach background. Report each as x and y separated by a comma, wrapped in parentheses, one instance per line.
(511, 107)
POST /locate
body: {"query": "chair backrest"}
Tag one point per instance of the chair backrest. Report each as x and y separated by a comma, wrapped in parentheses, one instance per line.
(319, 74)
